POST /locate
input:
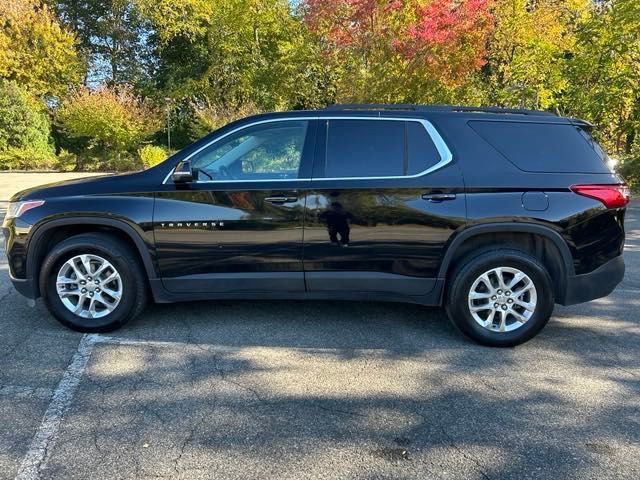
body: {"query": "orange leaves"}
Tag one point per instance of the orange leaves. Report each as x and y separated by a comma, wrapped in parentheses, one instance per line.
(431, 41)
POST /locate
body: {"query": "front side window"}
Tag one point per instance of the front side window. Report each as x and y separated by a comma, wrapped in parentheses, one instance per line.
(270, 151)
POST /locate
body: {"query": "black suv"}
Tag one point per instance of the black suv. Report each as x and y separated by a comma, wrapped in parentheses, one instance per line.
(496, 214)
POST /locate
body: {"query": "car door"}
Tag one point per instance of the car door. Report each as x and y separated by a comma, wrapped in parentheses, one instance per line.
(238, 226)
(384, 200)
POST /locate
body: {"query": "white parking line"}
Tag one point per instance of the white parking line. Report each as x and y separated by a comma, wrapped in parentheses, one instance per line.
(45, 436)
(44, 439)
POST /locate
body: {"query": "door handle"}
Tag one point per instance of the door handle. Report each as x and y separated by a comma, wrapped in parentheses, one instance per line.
(438, 197)
(281, 199)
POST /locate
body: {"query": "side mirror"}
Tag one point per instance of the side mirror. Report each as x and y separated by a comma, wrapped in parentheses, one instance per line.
(182, 173)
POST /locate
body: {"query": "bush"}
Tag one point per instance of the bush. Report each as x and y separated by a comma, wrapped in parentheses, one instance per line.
(111, 122)
(25, 135)
(66, 161)
(123, 162)
(151, 155)
(629, 169)
(27, 158)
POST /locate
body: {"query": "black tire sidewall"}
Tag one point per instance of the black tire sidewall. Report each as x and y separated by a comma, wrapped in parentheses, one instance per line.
(110, 251)
(457, 301)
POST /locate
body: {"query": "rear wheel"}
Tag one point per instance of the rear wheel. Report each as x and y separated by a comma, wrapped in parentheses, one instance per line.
(93, 283)
(500, 298)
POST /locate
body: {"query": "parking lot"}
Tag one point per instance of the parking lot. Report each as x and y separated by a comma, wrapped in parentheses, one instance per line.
(295, 390)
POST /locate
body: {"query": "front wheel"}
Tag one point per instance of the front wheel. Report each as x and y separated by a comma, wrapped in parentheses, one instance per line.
(93, 283)
(501, 298)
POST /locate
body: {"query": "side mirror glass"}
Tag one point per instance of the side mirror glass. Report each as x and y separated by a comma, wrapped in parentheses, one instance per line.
(182, 173)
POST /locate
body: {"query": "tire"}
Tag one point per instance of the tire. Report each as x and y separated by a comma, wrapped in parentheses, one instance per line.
(63, 270)
(520, 324)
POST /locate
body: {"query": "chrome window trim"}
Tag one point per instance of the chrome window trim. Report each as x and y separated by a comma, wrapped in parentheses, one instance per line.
(441, 146)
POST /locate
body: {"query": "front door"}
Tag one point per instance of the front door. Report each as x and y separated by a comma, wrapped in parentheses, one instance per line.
(238, 226)
(385, 199)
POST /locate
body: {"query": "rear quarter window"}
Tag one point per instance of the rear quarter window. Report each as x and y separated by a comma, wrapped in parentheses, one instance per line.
(421, 151)
(543, 147)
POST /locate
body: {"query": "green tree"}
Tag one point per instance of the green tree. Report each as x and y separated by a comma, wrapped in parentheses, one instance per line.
(34, 50)
(526, 63)
(604, 75)
(232, 52)
(114, 38)
(110, 122)
(25, 137)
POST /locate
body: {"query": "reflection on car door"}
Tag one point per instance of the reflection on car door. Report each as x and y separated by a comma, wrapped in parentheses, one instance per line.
(376, 222)
(238, 226)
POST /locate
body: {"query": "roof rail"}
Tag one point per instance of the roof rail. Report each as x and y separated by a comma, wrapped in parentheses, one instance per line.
(435, 108)
(371, 106)
(515, 111)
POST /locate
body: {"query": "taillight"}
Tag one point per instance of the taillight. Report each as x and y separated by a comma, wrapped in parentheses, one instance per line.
(612, 196)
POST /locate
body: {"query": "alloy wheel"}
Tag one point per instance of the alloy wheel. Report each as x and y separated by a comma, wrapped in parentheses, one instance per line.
(502, 299)
(89, 286)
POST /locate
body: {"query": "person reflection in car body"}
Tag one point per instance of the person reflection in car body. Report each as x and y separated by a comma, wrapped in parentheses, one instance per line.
(337, 221)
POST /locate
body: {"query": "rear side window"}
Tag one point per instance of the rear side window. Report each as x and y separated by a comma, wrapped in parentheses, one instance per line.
(364, 148)
(543, 147)
(377, 148)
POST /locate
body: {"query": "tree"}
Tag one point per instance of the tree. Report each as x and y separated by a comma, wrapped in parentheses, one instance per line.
(112, 123)
(114, 38)
(25, 136)
(528, 51)
(23, 120)
(34, 50)
(411, 51)
(231, 56)
(229, 51)
(604, 75)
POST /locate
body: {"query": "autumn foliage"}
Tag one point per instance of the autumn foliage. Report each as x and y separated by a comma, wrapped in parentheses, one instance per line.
(91, 68)
(438, 41)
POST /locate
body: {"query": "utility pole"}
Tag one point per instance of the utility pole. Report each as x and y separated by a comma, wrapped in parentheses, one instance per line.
(168, 113)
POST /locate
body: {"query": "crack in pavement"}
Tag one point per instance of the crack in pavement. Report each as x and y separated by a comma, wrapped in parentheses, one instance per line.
(22, 391)
(461, 451)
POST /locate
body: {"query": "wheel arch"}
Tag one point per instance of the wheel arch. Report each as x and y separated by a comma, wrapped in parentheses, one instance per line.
(544, 243)
(40, 243)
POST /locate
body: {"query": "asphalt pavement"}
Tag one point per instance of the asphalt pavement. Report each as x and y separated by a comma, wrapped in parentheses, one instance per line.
(331, 390)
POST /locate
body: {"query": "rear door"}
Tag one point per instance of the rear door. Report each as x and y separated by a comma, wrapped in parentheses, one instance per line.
(385, 198)
(238, 226)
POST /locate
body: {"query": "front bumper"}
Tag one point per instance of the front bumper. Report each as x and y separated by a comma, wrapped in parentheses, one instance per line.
(16, 233)
(24, 286)
(596, 284)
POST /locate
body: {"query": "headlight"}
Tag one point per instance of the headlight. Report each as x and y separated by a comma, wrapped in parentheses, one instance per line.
(16, 209)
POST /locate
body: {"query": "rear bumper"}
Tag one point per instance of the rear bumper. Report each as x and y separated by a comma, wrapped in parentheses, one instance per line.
(596, 284)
